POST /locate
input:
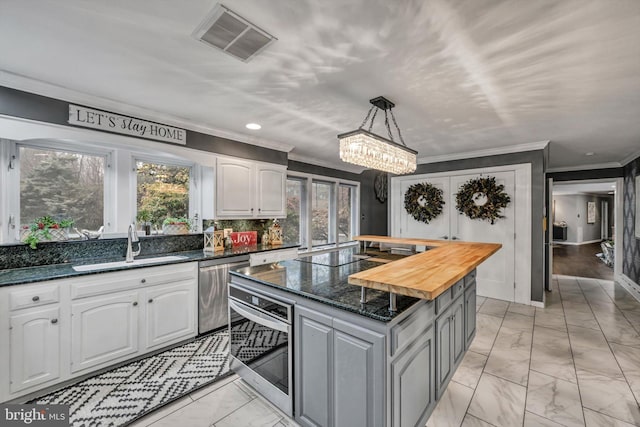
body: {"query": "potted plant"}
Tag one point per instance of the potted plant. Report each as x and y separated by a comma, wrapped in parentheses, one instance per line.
(45, 228)
(173, 225)
(144, 218)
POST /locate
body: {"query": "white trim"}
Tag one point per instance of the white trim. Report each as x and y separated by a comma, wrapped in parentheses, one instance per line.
(632, 287)
(631, 157)
(19, 82)
(585, 167)
(345, 167)
(586, 242)
(538, 304)
(518, 148)
(618, 237)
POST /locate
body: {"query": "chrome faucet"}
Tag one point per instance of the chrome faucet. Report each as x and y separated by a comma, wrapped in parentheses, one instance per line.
(132, 237)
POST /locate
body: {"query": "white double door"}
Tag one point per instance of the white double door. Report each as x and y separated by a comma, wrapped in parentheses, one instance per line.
(496, 275)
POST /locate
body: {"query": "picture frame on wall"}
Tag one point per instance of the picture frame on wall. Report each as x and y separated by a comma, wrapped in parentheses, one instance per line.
(591, 212)
(638, 207)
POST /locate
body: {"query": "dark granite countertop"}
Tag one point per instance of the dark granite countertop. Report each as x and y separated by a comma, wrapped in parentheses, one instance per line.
(17, 276)
(323, 278)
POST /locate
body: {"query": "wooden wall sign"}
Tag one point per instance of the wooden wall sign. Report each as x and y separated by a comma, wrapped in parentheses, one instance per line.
(116, 123)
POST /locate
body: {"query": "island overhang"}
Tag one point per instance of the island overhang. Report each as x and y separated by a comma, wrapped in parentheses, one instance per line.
(426, 274)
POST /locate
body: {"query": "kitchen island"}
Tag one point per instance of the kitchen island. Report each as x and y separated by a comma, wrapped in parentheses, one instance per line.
(358, 363)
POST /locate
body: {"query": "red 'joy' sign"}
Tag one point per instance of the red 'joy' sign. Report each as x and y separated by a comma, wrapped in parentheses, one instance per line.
(244, 238)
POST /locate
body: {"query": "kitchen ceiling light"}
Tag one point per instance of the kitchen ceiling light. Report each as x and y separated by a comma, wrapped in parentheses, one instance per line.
(363, 148)
(253, 126)
(590, 153)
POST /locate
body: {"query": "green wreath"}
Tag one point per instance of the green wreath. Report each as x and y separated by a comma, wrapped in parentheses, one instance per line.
(482, 198)
(423, 202)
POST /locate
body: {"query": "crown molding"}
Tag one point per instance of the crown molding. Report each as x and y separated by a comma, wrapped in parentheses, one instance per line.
(631, 157)
(585, 167)
(518, 148)
(313, 161)
(39, 87)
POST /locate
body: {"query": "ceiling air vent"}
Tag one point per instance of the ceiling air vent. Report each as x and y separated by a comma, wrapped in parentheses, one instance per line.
(226, 30)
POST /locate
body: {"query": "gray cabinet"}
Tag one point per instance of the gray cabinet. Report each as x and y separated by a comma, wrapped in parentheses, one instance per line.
(338, 377)
(413, 391)
(470, 313)
(450, 342)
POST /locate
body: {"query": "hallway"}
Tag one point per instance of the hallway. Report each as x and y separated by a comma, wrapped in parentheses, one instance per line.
(580, 261)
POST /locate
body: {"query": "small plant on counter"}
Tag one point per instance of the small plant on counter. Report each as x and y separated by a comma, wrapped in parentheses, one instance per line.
(144, 218)
(45, 228)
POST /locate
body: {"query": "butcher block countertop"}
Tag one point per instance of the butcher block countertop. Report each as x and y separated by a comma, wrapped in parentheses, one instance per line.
(426, 274)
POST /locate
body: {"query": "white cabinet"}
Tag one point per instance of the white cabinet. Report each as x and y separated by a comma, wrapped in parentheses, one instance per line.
(35, 347)
(246, 189)
(104, 329)
(170, 314)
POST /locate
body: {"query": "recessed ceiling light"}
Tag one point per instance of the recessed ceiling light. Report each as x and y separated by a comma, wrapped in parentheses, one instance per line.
(590, 153)
(253, 126)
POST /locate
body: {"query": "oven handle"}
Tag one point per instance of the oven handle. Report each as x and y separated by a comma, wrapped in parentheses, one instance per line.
(259, 318)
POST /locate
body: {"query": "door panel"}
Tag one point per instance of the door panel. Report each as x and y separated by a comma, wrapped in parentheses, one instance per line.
(438, 228)
(496, 276)
(170, 313)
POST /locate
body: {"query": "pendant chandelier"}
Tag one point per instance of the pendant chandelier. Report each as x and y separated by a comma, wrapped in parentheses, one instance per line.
(363, 148)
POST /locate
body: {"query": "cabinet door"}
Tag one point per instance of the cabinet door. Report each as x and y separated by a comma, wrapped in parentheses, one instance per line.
(35, 348)
(469, 314)
(313, 368)
(234, 188)
(413, 391)
(358, 381)
(104, 329)
(444, 357)
(170, 314)
(271, 194)
(457, 330)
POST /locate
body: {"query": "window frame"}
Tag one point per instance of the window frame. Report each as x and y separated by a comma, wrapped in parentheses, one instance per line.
(333, 213)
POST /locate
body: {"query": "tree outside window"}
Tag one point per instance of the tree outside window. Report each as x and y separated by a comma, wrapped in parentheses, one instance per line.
(162, 191)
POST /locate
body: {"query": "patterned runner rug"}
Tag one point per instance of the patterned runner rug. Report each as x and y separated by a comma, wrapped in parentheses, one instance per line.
(124, 394)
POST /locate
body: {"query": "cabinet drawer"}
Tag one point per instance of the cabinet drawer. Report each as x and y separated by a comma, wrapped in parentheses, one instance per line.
(458, 288)
(33, 296)
(99, 284)
(470, 278)
(269, 257)
(410, 328)
(443, 301)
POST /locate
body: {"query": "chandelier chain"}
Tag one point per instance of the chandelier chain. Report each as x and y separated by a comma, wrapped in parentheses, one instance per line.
(397, 127)
(367, 117)
(373, 119)
(386, 123)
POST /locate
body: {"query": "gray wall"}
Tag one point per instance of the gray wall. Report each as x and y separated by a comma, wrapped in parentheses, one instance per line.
(26, 105)
(630, 245)
(537, 159)
(572, 209)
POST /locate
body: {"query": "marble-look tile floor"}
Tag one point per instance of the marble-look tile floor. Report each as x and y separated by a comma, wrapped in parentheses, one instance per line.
(574, 363)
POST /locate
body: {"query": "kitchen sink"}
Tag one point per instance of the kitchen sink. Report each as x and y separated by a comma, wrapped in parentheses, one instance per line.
(117, 264)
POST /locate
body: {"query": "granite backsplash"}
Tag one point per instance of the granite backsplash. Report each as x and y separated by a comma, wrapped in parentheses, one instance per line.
(21, 255)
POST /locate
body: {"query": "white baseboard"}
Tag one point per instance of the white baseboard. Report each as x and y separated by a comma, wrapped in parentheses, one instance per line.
(631, 286)
(587, 242)
(539, 304)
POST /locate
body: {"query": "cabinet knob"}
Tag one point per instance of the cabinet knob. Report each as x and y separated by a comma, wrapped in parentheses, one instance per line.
(143, 281)
(135, 303)
(259, 209)
(454, 238)
(445, 237)
(251, 209)
(35, 299)
(54, 321)
(150, 300)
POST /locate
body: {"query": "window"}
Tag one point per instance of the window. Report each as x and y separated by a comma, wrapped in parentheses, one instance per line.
(162, 191)
(63, 185)
(294, 225)
(322, 217)
(346, 212)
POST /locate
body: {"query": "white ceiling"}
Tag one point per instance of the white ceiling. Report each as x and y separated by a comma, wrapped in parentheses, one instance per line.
(465, 75)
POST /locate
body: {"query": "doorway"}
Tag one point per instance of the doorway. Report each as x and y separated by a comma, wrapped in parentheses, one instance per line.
(583, 228)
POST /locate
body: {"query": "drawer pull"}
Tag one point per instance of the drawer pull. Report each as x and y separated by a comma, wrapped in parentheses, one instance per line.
(35, 299)
(135, 303)
(150, 300)
(143, 281)
(54, 321)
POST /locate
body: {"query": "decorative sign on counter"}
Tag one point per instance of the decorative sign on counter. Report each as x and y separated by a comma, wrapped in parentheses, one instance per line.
(244, 238)
(116, 123)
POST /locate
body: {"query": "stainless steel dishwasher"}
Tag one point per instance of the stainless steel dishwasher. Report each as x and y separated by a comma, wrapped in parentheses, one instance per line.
(213, 293)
